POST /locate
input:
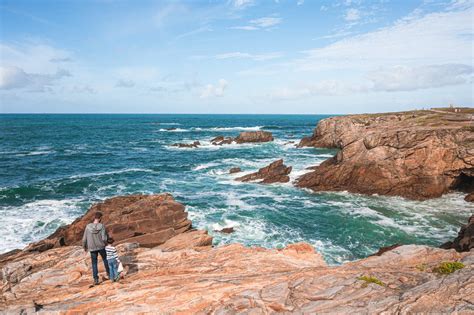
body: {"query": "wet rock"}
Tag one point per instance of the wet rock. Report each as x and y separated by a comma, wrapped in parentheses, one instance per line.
(244, 137)
(276, 172)
(385, 249)
(195, 144)
(220, 140)
(470, 197)
(464, 242)
(235, 170)
(254, 136)
(226, 230)
(386, 154)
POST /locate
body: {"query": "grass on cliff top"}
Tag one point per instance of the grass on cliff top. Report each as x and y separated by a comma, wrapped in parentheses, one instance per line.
(448, 267)
(369, 279)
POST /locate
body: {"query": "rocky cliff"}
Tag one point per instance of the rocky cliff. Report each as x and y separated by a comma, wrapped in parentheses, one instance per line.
(417, 154)
(185, 275)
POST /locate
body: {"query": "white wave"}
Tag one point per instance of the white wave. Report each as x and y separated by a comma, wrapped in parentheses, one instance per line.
(34, 221)
(226, 224)
(254, 128)
(127, 170)
(174, 130)
(207, 145)
(32, 153)
(204, 166)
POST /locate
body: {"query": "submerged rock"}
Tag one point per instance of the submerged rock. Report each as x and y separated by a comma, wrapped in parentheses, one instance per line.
(387, 154)
(276, 172)
(235, 170)
(226, 230)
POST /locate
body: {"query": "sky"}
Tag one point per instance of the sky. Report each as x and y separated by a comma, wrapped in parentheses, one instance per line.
(235, 56)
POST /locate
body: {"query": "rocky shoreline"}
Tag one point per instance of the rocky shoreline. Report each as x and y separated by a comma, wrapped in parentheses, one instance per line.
(170, 267)
(181, 272)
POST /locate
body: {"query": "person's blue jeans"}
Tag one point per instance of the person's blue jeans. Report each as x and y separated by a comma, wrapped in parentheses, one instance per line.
(103, 255)
(113, 267)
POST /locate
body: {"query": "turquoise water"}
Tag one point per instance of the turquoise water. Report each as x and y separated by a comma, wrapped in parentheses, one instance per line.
(53, 167)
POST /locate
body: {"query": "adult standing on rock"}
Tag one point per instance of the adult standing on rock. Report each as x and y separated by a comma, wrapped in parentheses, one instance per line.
(94, 241)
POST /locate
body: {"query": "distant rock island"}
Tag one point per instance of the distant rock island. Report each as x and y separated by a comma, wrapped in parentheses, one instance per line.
(416, 154)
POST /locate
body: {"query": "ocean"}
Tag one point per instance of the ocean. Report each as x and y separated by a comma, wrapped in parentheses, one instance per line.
(54, 167)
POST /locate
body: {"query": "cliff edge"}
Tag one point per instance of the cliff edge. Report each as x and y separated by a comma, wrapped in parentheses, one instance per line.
(416, 154)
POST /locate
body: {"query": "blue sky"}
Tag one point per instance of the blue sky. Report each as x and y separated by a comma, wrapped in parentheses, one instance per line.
(235, 56)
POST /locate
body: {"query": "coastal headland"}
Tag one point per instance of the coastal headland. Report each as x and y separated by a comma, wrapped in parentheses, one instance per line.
(416, 154)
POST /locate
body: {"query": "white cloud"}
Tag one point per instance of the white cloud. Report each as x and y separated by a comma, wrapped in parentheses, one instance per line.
(436, 38)
(245, 28)
(240, 4)
(82, 89)
(139, 74)
(34, 57)
(352, 15)
(300, 2)
(404, 78)
(12, 77)
(323, 87)
(216, 90)
(256, 57)
(390, 79)
(125, 83)
(266, 22)
(260, 24)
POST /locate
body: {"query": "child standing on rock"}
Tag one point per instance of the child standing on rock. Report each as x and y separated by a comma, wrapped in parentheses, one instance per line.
(112, 259)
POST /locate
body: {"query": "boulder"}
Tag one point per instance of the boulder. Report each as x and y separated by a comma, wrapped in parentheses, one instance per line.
(235, 170)
(226, 230)
(220, 140)
(464, 242)
(254, 136)
(276, 172)
(470, 197)
(148, 220)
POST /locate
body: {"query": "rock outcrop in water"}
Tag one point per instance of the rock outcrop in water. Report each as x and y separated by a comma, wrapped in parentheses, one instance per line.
(275, 172)
(244, 137)
(234, 170)
(464, 242)
(185, 275)
(195, 144)
(417, 154)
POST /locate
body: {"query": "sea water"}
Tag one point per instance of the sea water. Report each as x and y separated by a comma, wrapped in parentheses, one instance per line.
(54, 167)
